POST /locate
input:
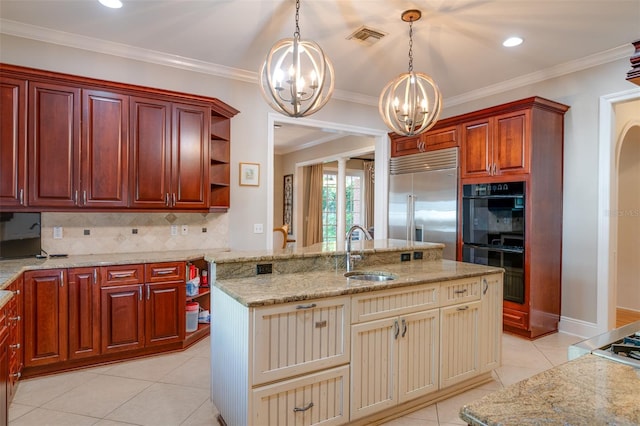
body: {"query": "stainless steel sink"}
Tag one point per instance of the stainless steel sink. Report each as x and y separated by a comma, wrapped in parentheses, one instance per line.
(369, 276)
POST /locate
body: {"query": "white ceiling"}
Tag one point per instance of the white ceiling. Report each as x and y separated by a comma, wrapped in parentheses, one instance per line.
(457, 42)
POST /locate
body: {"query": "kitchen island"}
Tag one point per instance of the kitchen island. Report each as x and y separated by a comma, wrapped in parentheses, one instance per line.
(305, 344)
(589, 390)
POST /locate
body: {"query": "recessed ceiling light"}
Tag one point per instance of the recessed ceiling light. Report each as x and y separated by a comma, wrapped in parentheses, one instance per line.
(113, 4)
(512, 42)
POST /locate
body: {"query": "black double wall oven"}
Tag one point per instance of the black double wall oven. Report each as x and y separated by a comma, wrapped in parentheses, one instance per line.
(493, 231)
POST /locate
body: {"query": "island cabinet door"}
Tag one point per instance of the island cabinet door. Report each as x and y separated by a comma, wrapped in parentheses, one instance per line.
(319, 398)
(298, 338)
(374, 365)
(490, 342)
(459, 342)
(418, 354)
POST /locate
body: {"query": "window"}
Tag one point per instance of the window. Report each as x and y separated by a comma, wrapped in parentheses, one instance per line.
(353, 203)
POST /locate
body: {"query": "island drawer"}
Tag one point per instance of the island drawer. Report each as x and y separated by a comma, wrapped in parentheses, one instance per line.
(460, 291)
(389, 303)
(319, 398)
(298, 338)
(121, 275)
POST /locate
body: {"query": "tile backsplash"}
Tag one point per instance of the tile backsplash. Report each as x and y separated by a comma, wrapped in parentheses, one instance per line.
(98, 233)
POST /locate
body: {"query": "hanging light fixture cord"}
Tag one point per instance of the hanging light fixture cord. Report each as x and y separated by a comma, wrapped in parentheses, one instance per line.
(296, 33)
(411, 45)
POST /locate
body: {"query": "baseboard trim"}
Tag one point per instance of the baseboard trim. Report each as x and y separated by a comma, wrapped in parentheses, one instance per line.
(578, 327)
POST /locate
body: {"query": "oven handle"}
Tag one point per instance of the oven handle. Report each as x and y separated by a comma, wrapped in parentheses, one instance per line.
(492, 248)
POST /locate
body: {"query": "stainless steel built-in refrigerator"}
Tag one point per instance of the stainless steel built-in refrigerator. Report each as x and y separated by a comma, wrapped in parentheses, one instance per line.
(423, 197)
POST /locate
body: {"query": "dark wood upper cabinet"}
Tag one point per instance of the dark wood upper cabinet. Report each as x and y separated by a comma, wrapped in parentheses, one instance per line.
(70, 142)
(105, 149)
(54, 144)
(13, 142)
(150, 171)
(190, 156)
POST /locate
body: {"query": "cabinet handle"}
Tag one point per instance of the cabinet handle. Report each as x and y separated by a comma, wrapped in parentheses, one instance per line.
(121, 274)
(95, 276)
(404, 327)
(17, 375)
(312, 305)
(61, 279)
(494, 169)
(486, 286)
(21, 197)
(16, 292)
(166, 199)
(305, 408)
(16, 318)
(165, 271)
(321, 324)
(84, 197)
(462, 308)
(460, 291)
(140, 292)
(148, 291)
(173, 199)
(75, 197)
(15, 346)
(396, 330)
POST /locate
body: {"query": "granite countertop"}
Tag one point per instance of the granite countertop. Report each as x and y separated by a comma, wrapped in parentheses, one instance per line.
(589, 390)
(264, 290)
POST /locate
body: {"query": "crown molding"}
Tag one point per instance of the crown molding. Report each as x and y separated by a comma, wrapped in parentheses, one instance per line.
(62, 38)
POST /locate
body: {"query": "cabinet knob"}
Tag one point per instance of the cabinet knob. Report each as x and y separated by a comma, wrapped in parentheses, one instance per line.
(17, 375)
(15, 346)
(16, 318)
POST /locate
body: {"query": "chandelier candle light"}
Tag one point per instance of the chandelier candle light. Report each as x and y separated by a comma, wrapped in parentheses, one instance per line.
(307, 84)
(411, 103)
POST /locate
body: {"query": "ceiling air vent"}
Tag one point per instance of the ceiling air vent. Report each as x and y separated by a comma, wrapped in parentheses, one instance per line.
(366, 35)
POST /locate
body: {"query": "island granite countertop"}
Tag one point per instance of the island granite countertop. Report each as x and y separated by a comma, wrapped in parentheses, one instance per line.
(589, 390)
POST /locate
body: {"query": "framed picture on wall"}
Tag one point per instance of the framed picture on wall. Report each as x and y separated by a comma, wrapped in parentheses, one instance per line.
(287, 196)
(249, 174)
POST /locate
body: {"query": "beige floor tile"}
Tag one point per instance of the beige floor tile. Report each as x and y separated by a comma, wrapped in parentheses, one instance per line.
(427, 413)
(151, 369)
(205, 415)
(161, 404)
(44, 417)
(36, 392)
(18, 410)
(195, 372)
(409, 421)
(98, 396)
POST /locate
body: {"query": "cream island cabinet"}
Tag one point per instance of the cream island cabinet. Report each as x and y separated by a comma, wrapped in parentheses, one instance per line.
(343, 352)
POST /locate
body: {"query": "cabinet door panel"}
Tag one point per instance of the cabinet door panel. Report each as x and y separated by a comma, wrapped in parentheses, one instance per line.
(105, 149)
(510, 147)
(459, 343)
(13, 142)
(54, 144)
(418, 355)
(190, 165)
(151, 153)
(165, 313)
(84, 313)
(45, 317)
(374, 384)
(476, 149)
(122, 318)
(490, 339)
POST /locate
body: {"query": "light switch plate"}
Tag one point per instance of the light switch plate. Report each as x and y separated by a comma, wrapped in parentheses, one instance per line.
(174, 230)
(57, 232)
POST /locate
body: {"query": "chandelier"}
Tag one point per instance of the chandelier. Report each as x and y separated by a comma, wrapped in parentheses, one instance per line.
(411, 103)
(296, 79)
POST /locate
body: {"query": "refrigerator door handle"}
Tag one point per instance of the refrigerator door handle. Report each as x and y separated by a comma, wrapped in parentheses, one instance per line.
(409, 215)
(411, 231)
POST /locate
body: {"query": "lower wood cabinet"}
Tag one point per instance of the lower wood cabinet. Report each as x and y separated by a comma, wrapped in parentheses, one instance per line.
(79, 314)
(15, 343)
(4, 370)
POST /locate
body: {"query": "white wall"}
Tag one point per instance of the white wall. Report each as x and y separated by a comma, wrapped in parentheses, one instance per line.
(581, 90)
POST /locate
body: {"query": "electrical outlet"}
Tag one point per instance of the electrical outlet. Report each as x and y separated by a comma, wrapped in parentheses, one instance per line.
(257, 228)
(405, 257)
(57, 232)
(185, 229)
(174, 230)
(417, 255)
(264, 268)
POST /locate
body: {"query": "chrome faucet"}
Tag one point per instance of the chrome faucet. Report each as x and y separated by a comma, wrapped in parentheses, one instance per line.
(350, 257)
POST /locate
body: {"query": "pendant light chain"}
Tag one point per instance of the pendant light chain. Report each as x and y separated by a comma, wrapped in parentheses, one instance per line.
(411, 45)
(296, 34)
